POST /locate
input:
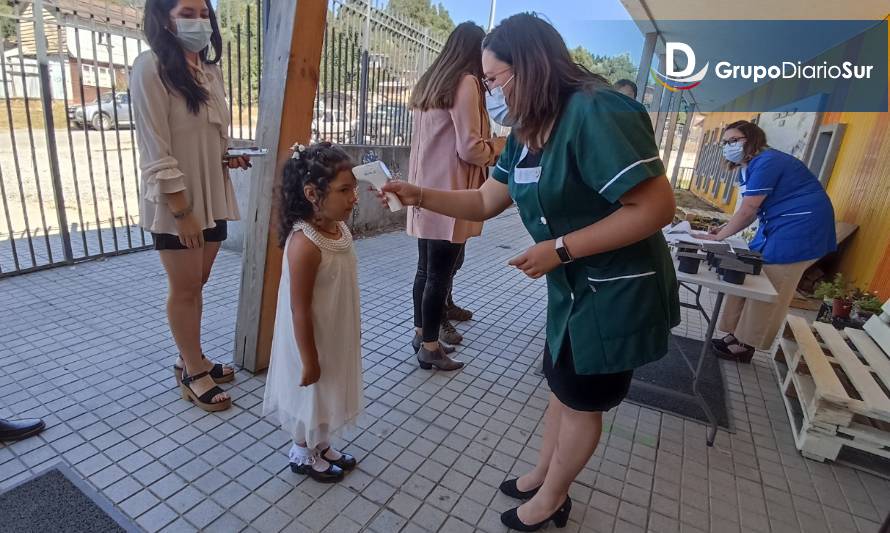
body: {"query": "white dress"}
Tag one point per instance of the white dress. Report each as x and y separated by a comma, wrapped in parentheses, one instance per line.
(316, 413)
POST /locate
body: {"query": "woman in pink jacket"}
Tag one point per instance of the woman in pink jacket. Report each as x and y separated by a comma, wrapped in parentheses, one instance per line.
(451, 149)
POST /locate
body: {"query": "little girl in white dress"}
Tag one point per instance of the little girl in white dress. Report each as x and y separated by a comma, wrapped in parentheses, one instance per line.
(314, 382)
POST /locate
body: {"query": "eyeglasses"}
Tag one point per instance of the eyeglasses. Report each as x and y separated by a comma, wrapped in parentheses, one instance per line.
(487, 81)
(733, 140)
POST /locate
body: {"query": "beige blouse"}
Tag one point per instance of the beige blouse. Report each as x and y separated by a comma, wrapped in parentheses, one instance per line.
(451, 149)
(181, 151)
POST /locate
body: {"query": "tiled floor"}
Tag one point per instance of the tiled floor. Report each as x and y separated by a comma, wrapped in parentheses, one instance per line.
(87, 348)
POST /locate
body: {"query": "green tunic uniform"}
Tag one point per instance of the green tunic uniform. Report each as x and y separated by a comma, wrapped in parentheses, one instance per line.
(617, 307)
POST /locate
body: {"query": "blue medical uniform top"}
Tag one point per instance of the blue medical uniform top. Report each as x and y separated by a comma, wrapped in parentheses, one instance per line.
(796, 217)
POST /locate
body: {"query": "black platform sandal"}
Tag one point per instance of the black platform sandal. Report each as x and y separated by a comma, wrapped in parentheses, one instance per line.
(724, 343)
(346, 462)
(218, 373)
(204, 401)
(333, 473)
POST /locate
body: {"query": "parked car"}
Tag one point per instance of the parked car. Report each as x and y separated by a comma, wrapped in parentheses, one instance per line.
(110, 112)
(333, 125)
(389, 124)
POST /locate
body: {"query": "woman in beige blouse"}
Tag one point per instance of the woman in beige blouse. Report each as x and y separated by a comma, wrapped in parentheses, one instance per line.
(186, 194)
(451, 149)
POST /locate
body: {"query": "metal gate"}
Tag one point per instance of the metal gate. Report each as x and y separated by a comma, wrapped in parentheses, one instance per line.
(69, 180)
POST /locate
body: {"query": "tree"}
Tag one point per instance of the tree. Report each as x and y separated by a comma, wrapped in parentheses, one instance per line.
(424, 13)
(613, 68)
(583, 57)
(233, 18)
(7, 22)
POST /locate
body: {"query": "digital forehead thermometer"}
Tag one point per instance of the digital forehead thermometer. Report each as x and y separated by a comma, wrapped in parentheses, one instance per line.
(377, 175)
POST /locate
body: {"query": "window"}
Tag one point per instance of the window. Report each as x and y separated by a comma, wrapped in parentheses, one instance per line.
(96, 76)
(825, 149)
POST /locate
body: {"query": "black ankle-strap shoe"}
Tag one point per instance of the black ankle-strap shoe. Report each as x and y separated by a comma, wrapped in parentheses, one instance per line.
(333, 473)
(346, 462)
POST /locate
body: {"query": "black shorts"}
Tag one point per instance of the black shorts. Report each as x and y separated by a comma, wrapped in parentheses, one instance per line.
(166, 241)
(593, 392)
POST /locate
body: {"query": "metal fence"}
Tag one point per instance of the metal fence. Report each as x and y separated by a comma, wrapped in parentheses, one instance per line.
(370, 62)
(69, 180)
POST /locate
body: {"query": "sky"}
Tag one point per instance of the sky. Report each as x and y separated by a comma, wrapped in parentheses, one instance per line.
(601, 26)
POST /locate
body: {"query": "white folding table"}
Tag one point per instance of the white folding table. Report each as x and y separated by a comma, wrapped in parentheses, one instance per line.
(755, 287)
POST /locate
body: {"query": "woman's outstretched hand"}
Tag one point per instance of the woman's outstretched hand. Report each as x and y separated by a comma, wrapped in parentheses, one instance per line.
(408, 194)
(537, 260)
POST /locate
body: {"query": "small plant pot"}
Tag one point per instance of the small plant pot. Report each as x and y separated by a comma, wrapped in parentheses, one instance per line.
(841, 308)
(733, 276)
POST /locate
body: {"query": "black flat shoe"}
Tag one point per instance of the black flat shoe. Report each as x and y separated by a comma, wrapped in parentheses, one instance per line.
(346, 462)
(11, 430)
(332, 475)
(417, 342)
(560, 518)
(509, 488)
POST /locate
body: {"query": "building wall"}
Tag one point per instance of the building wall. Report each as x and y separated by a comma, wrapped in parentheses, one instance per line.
(860, 191)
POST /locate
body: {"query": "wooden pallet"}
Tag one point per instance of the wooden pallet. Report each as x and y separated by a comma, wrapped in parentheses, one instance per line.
(836, 393)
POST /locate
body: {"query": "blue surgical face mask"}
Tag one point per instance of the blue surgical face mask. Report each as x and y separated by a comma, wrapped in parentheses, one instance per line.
(496, 103)
(734, 152)
(193, 34)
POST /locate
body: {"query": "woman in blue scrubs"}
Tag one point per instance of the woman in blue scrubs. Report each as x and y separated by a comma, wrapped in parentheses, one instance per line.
(796, 229)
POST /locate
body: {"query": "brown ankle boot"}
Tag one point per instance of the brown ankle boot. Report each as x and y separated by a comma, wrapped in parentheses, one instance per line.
(438, 359)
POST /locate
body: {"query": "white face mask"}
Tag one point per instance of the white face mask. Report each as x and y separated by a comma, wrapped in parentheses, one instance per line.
(496, 104)
(734, 152)
(193, 34)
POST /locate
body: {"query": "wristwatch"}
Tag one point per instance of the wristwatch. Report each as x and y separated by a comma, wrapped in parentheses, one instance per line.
(563, 252)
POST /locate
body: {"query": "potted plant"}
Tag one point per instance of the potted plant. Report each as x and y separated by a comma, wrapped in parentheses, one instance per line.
(836, 292)
(866, 304)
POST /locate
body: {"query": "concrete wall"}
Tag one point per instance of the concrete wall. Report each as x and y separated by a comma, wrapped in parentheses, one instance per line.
(369, 217)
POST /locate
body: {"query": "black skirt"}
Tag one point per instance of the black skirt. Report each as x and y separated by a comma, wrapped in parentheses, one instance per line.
(593, 392)
(166, 241)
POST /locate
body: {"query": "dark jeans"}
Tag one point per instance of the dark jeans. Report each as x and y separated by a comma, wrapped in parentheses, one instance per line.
(435, 268)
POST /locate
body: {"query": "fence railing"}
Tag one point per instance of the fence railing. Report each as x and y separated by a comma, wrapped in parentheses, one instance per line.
(370, 62)
(69, 180)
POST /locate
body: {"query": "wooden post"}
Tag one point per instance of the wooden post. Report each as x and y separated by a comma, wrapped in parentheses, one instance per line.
(292, 55)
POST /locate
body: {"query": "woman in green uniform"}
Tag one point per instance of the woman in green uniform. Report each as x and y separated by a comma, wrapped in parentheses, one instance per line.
(583, 168)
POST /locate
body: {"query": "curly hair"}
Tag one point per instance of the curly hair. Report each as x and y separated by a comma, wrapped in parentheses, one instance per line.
(318, 165)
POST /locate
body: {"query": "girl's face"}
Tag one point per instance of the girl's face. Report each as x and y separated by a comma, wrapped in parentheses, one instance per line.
(189, 9)
(341, 198)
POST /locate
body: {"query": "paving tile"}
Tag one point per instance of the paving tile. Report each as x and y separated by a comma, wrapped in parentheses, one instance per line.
(433, 448)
